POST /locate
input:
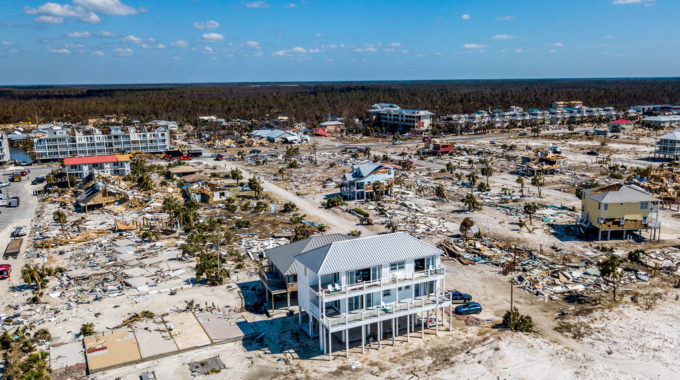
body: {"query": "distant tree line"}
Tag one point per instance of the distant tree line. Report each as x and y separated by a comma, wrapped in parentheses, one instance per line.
(311, 102)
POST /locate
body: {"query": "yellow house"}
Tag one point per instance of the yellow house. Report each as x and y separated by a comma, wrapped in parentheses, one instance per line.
(619, 209)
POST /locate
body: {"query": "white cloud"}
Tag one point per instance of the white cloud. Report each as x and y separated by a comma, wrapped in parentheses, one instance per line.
(176, 58)
(98, 53)
(160, 46)
(608, 37)
(210, 24)
(131, 39)
(81, 10)
(558, 44)
(78, 35)
(553, 51)
(465, 16)
(253, 44)
(624, 2)
(107, 7)
(123, 52)
(50, 20)
(6, 43)
(208, 49)
(502, 37)
(318, 35)
(60, 51)
(292, 5)
(504, 18)
(257, 4)
(74, 46)
(180, 44)
(394, 44)
(212, 37)
(519, 51)
(105, 33)
(296, 51)
(475, 46)
(371, 49)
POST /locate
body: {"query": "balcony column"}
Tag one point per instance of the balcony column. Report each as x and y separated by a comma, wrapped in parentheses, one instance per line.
(392, 331)
(436, 320)
(322, 339)
(347, 343)
(363, 338)
(380, 334)
(330, 345)
(422, 325)
(408, 327)
(451, 317)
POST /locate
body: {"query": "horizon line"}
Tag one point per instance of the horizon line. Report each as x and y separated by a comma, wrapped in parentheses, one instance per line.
(332, 82)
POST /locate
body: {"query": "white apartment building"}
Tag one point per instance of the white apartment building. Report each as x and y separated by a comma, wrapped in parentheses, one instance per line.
(393, 116)
(77, 142)
(362, 288)
(114, 164)
(4, 149)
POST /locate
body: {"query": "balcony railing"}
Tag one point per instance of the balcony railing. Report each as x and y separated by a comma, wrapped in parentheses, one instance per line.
(382, 310)
(368, 285)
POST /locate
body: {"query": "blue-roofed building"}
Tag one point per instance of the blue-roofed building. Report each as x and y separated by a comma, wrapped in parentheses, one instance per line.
(359, 183)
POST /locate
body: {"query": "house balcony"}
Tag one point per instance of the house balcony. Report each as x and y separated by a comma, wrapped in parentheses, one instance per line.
(336, 322)
(334, 290)
(275, 284)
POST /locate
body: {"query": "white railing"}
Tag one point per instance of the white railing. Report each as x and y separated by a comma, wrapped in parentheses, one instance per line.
(363, 286)
(379, 311)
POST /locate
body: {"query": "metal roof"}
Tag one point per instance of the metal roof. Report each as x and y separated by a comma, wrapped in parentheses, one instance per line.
(283, 257)
(366, 252)
(626, 194)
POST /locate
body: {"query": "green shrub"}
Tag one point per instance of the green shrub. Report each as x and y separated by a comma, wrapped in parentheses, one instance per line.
(517, 322)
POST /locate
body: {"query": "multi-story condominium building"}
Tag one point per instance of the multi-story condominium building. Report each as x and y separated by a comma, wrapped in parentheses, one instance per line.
(361, 288)
(360, 182)
(402, 119)
(114, 164)
(621, 210)
(78, 142)
(4, 149)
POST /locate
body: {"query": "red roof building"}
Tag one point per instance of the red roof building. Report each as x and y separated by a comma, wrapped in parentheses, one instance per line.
(621, 121)
(113, 164)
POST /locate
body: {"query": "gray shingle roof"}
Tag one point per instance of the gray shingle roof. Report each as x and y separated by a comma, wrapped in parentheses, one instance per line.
(366, 252)
(283, 257)
(626, 194)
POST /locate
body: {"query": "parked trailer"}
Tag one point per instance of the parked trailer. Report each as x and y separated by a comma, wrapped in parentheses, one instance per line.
(13, 248)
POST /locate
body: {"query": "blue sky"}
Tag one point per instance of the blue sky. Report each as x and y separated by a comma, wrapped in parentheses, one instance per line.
(152, 41)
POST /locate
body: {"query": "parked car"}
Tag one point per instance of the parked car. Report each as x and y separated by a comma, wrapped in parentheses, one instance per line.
(186, 158)
(13, 202)
(24, 173)
(427, 139)
(593, 153)
(468, 308)
(38, 180)
(397, 142)
(5, 270)
(522, 133)
(219, 157)
(255, 151)
(169, 159)
(458, 296)
(19, 231)
(492, 142)
(4, 182)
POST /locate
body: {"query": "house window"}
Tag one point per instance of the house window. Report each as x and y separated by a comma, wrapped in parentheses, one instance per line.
(606, 206)
(644, 205)
(387, 293)
(397, 266)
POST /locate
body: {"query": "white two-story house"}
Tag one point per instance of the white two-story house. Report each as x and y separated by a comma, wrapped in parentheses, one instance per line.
(360, 289)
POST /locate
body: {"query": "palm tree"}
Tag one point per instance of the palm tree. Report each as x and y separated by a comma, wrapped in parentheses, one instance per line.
(392, 225)
(449, 167)
(378, 190)
(60, 217)
(520, 181)
(470, 201)
(255, 184)
(487, 171)
(144, 182)
(465, 226)
(32, 274)
(537, 180)
(237, 175)
(169, 206)
(530, 209)
(609, 269)
(472, 179)
(282, 171)
(440, 193)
